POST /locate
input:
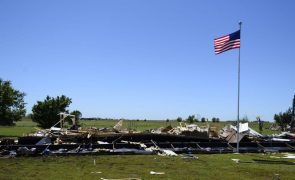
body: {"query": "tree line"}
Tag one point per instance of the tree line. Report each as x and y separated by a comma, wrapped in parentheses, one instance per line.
(192, 118)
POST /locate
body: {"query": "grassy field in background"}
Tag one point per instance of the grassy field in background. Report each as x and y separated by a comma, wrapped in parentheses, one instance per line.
(26, 126)
(130, 124)
(214, 166)
(152, 124)
(23, 127)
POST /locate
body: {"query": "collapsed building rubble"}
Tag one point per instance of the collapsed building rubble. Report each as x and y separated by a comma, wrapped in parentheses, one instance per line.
(168, 141)
(284, 137)
(229, 133)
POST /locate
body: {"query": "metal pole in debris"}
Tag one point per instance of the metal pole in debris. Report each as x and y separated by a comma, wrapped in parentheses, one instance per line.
(238, 119)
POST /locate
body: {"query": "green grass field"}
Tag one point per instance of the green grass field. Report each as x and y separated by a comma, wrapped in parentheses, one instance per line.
(23, 127)
(214, 166)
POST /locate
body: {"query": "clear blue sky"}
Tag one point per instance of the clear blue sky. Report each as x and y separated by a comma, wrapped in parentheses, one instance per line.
(150, 59)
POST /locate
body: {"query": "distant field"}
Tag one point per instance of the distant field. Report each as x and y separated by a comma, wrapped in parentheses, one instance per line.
(214, 166)
(130, 124)
(23, 127)
(152, 124)
(26, 126)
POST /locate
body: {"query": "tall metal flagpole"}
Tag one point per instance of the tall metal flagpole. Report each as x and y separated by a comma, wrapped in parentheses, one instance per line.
(238, 120)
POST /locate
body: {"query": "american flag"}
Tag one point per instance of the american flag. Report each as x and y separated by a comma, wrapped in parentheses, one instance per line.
(227, 42)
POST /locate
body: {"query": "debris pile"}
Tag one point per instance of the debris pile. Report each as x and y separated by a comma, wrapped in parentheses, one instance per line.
(284, 137)
(229, 133)
(164, 141)
(183, 130)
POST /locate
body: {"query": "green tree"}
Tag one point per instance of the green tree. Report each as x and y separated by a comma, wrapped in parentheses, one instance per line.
(191, 119)
(45, 113)
(283, 119)
(179, 119)
(77, 114)
(214, 119)
(245, 119)
(12, 105)
(203, 119)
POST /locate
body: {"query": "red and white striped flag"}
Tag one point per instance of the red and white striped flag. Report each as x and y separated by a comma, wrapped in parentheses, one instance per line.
(227, 42)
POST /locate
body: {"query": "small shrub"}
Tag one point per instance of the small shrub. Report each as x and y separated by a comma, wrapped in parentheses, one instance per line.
(203, 119)
(179, 119)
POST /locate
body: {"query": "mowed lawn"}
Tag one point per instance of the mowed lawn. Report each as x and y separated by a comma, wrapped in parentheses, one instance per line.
(26, 126)
(213, 166)
(23, 127)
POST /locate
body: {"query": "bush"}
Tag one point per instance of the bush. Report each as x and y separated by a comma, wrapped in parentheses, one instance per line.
(217, 120)
(179, 119)
(45, 113)
(283, 119)
(203, 119)
(191, 119)
(245, 119)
